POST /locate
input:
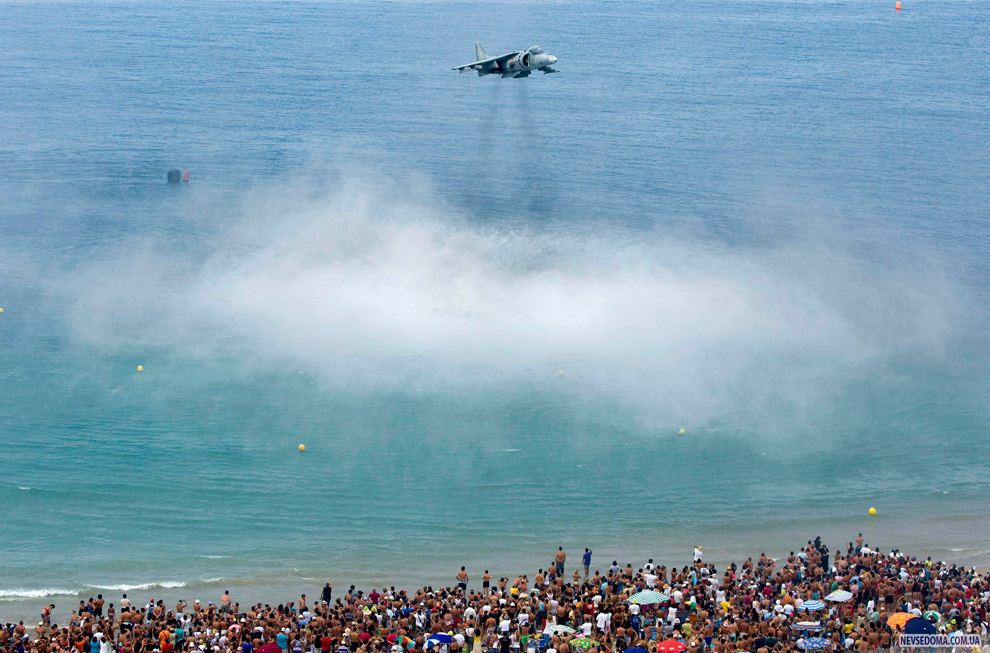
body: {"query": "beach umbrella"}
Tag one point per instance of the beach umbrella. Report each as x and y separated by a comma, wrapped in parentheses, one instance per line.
(671, 646)
(648, 597)
(270, 647)
(814, 604)
(558, 629)
(583, 642)
(919, 626)
(438, 639)
(807, 625)
(898, 619)
(403, 640)
(839, 596)
(813, 643)
(635, 649)
(932, 616)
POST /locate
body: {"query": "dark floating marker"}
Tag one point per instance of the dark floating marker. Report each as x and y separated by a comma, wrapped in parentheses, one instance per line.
(174, 176)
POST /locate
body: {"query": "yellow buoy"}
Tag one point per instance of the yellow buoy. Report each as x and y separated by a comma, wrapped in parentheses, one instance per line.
(140, 368)
(873, 510)
(1, 309)
(302, 447)
(682, 431)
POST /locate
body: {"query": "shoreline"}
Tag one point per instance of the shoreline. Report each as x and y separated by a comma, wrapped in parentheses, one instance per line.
(22, 604)
(861, 599)
(205, 573)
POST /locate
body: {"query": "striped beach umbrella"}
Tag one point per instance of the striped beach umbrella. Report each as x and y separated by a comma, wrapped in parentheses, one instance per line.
(813, 643)
(808, 625)
(648, 597)
(932, 616)
(814, 604)
(558, 629)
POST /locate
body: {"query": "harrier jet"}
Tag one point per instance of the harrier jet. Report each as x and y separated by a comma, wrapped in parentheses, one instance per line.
(514, 64)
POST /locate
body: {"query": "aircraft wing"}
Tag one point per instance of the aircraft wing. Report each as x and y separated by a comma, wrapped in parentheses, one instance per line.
(486, 63)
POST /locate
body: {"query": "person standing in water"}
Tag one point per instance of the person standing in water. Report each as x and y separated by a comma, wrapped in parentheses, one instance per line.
(559, 558)
(462, 579)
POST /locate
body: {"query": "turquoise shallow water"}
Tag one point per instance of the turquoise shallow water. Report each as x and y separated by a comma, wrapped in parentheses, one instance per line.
(486, 306)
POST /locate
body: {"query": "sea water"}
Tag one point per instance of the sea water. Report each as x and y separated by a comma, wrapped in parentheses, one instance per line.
(486, 306)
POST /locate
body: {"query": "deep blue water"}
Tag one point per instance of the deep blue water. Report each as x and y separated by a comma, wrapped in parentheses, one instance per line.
(485, 305)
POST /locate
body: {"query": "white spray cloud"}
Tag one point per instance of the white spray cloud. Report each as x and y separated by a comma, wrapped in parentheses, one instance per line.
(367, 285)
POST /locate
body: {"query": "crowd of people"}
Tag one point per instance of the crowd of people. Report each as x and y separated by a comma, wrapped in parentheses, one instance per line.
(760, 606)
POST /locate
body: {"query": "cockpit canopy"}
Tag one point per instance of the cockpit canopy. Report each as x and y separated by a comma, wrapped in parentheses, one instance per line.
(536, 50)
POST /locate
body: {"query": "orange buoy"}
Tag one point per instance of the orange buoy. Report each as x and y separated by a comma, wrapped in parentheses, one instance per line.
(897, 5)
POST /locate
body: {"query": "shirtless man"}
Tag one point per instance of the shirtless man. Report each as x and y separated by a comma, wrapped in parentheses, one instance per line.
(225, 602)
(462, 579)
(559, 558)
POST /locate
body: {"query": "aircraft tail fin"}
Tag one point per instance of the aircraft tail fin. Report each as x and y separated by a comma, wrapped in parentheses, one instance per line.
(479, 52)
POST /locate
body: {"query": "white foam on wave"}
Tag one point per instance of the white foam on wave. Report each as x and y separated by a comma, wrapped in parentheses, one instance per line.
(125, 587)
(19, 594)
(213, 557)
(23, 594)
(24, 488)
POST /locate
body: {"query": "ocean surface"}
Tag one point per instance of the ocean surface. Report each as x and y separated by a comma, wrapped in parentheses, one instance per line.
(486, 306)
